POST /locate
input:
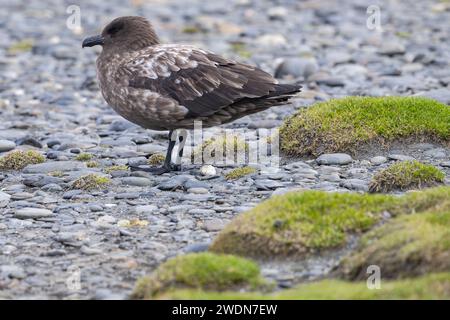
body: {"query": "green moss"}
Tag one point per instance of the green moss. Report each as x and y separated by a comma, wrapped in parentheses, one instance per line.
(200, 271)
(84, 157)
(92, 164)
(349, 124)
(56, 173)
(410, 245)
(91, 182)
(239, 173)
(116, 168)
(403, 34)
(191, 29)
(433, 286)
(406, 175)
(299, 223)
(156, 159)
(21, 46)
(17, 160)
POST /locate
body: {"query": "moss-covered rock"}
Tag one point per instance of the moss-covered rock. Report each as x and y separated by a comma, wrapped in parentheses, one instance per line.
(433, 286)
(17, 160)
(406, 175)
(200, 271)
(353, 123)
(410, 245)
(239, 173)
(299, 223)
(90, 182)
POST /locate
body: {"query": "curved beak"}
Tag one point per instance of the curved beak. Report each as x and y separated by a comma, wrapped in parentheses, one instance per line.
(93, 41)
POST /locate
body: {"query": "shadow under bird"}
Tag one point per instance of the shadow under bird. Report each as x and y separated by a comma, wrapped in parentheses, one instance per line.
(169, 86)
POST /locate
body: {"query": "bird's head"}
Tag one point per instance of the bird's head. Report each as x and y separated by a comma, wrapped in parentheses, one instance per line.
(124, 33)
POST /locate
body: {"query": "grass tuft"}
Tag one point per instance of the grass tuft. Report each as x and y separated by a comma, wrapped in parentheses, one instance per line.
(406, 175)
(18, 159)
(239, 173)
(91, 182)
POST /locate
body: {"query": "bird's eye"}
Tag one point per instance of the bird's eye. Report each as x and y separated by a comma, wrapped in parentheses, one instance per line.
(115, 28)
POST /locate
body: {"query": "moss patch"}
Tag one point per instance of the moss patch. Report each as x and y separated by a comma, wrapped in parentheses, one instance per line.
(410, 245)
(200, 271)
(299, 223)
(115, 168)
(21, 46)
(191, 29)
(239, 173)
(433, 286)
(350, 124)
(17, 160)
(156, 159)
(91, 182)
(84, 157)
(92, 164)
(406, 175)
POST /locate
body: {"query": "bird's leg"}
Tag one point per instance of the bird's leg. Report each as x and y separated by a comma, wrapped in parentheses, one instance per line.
(182, 135)
(167, 166)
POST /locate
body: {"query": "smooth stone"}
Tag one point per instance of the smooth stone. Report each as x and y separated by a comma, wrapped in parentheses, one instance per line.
(120, 125)
(145, 209)
(40, 180)
(390, 48)
(6, 145)
(198, 190)
(173, 183)
(196, 247)
(192, 183)
(400, 157)
(208, 170)
(437, 153)
(52, 166)
(32, 213)
(378, 160)
(213, 225)
(445, 164)
(126, 195)
(334, 159)
(355, 184)
(267, 184)
(332, 81)
(11, 271)
(297, 67)
(4, 199)
(136, 181)
(271, 41)
(52, 187)
(151, 148)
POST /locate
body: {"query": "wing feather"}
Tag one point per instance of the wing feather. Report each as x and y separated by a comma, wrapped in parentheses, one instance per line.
(199, 80)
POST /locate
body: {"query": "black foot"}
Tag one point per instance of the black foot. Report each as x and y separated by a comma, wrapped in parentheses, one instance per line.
(157, 170)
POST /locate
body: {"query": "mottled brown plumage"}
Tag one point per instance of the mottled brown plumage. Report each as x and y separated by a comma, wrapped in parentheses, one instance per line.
(168, 87)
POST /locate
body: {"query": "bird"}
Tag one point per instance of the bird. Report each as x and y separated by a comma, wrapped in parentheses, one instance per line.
(168, 87)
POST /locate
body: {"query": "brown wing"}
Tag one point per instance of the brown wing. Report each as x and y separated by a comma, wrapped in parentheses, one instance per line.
(201, 81)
